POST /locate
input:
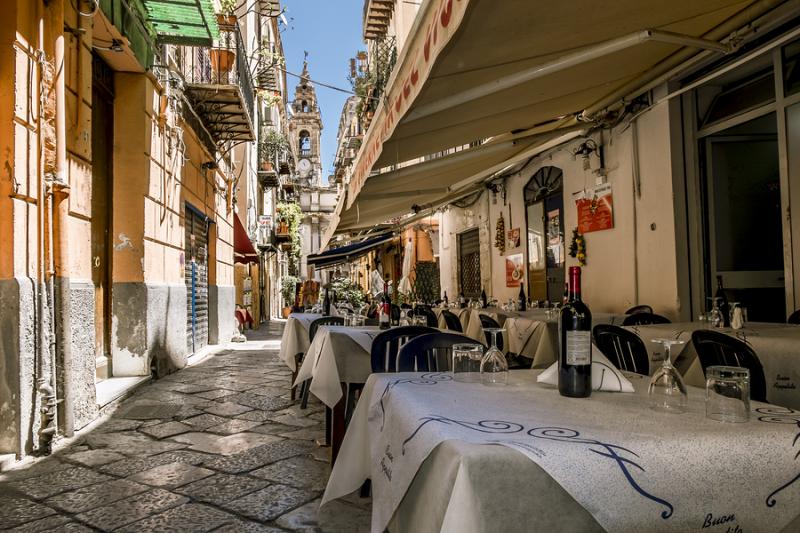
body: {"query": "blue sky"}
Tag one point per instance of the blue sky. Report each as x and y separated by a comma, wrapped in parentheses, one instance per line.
(330, 30)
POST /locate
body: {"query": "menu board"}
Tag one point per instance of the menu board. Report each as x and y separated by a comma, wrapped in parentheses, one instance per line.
(595, 209)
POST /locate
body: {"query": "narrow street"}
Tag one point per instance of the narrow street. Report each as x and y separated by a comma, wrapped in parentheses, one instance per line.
(218, 446)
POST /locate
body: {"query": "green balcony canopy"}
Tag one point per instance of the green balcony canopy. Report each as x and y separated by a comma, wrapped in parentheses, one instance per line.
(186, 22)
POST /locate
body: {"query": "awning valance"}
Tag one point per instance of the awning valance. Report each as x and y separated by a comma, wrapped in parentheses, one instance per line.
(474, 69)
(187, 22)
(349, 252)
(243, 251)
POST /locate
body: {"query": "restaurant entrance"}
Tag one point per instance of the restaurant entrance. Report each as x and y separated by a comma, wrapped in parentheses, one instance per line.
(744, 237)
(544, 205)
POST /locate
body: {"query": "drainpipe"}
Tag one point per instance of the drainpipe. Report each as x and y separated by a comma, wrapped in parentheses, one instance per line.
(637, 194)
(60, 187)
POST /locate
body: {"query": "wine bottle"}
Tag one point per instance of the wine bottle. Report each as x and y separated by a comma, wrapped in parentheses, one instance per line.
(446, 301)
(462, 301)
(522, 301)
(575, 346)
(565, 299)
(484, 300)
(326, 304)
(385, 308)
(724, 306)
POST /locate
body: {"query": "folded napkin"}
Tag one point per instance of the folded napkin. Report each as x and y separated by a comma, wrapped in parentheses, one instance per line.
(605, 376)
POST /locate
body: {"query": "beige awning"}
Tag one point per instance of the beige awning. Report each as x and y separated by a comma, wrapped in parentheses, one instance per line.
(432, 183)
(474, 69)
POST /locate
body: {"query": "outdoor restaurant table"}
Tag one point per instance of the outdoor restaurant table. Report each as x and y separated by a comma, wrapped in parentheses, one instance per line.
(529, 333)
(295, 338)
(430, 446)
(776, 345)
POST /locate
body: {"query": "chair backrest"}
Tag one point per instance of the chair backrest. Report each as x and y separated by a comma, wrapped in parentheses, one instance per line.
(715, 348)
(489, 322)
(643, 319)
(639, 309)
(387, 345)
(624, 348)
(323, 321)
(451, 321)
(395, 316)
(794, 318)
(430, 353)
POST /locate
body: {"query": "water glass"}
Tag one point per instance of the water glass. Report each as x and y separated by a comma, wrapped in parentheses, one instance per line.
(357, 321)
(420, 320)
(728, 393)
(467, 362)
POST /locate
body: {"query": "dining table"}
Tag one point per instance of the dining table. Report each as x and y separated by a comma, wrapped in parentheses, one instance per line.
(776, 345)
(445, 455)
(295, 339)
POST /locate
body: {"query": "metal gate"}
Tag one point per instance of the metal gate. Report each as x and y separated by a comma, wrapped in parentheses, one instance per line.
(196, 277)
(469, 263)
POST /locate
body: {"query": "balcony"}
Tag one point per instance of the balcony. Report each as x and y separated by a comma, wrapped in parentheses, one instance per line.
(377, 16)
(219, 86)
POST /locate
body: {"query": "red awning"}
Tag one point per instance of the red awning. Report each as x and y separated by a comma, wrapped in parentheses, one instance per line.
(243, 251)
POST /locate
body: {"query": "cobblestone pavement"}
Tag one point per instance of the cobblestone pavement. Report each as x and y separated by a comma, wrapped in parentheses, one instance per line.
(218, 446)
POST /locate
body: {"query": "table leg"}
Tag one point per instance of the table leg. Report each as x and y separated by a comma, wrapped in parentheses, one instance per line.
(337, 424)
(328, 423)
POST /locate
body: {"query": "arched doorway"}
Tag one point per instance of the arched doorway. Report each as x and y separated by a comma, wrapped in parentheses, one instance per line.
(544, 214)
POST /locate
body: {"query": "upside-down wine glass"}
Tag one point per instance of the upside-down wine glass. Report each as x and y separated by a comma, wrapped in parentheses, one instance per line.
(667, 392)
(494, 367)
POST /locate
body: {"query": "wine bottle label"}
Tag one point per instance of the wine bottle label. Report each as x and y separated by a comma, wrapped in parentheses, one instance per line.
(579, 347)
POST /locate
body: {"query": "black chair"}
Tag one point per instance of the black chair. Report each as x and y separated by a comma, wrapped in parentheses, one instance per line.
(715, 348)
(427, 312)
(387, 345)
(643, 319)
(794, 318)
(489, 322)
(624, 348)
(395, 314)
(639, 309)
(430, 353)
(305, 386)
(451, 321)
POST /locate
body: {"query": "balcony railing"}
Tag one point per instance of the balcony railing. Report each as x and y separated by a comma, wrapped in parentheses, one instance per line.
(219, 84)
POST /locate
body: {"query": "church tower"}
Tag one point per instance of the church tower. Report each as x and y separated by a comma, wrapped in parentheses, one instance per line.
(306, 127)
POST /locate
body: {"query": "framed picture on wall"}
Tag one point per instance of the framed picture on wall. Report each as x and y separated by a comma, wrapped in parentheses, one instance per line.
(513, 238)
(514, 270)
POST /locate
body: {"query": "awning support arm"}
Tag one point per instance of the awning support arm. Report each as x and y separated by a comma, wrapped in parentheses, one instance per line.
(562, 63)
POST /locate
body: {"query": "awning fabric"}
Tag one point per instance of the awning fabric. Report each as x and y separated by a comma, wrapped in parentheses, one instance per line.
(243, 251)
(348, 253)
(440, 94)
(186, 22)
(431, 183)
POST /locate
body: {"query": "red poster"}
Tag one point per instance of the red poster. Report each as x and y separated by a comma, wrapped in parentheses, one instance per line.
(595, 209)
(514, 270)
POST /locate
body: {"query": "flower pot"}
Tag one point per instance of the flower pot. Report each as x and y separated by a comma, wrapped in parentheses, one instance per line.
(222, 61)
(226, 20)
(267, 166)
(286, 311)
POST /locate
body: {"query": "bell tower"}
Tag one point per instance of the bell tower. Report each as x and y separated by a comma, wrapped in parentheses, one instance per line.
(305, 127)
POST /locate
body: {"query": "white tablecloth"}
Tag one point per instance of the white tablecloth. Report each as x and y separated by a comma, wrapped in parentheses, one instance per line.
(630, 468)
(777, 347)
(295, 337)
(338, 354)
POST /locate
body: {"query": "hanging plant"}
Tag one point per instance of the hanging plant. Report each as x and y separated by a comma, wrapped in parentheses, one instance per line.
(577, 248)
(291, 213)
(500, 235)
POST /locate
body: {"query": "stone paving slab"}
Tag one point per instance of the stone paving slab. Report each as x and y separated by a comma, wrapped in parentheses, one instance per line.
(52, 524)
(167, 429)
(219, 488)
(227, 445)
(269, 503)
(94, 457)
(335, 517)
(52, 483)
(171, 475)
(187, 517)
(300, 472)
(15, 509)
(131, 510)
(257, 457)
(227, 408)
(128, 467)
(204, 421)
(236, 425)
(87, 498)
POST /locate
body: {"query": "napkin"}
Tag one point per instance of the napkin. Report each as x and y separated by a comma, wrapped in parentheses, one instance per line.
(738, 318)
(605, 376)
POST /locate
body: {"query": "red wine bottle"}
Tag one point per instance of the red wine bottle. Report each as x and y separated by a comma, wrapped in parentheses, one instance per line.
(575, 346)
(386, 308)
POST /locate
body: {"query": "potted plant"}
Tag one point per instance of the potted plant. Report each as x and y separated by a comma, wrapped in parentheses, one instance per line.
(226, 16)
(288, 293)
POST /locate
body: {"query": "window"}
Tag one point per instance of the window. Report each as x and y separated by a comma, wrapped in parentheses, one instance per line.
(791, 68)
(304, 107)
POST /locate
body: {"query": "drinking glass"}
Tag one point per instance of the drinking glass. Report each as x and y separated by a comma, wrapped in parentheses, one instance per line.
(494, 367)
(667, 392)
(467, 362)
(728, 393)
(357, 320)
(420, 320)
(404, 318)
(715, 316)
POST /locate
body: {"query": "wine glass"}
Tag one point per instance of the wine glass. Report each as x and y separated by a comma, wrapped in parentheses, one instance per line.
(667, 392)
(494, 367)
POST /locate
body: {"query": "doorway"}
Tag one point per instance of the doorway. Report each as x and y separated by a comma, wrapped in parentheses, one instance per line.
(102, 179)
(469, 263)
(196, 279)
(544, 210)
(744, 237)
